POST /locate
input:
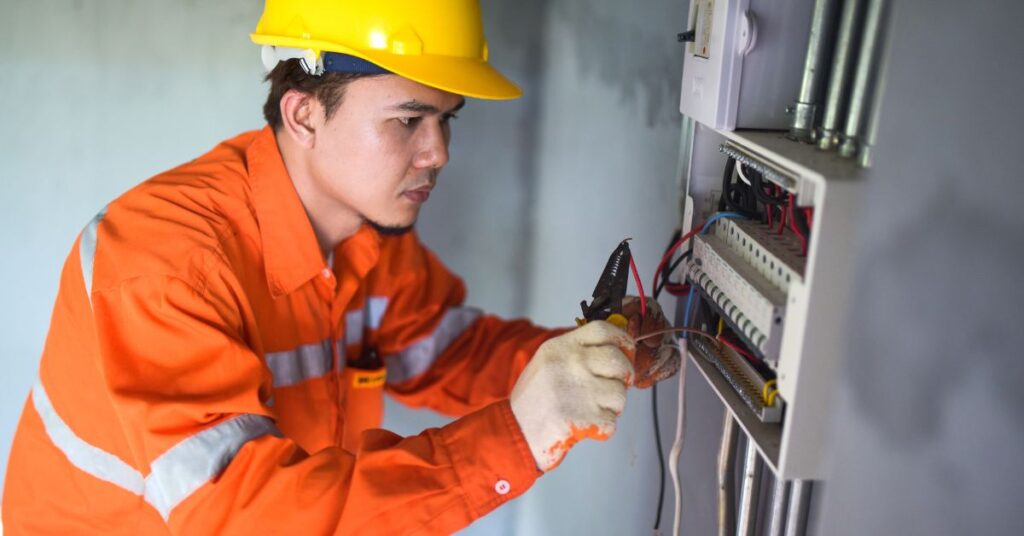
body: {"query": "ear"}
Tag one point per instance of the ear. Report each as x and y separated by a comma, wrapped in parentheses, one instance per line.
(298, 117)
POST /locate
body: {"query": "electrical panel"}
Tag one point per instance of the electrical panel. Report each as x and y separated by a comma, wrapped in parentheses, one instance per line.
(730, 41)
(779, 299)
(771, 276)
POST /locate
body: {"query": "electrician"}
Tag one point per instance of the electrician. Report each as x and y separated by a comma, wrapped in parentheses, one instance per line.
(224, 332)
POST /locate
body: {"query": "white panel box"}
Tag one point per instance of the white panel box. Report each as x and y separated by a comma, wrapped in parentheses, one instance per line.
(744, 66)
(811, 293)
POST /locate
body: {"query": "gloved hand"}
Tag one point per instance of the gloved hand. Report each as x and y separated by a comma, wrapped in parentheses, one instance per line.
(656, 358)
(574, 388)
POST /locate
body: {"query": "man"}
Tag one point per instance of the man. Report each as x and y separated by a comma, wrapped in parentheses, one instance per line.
(224, 332)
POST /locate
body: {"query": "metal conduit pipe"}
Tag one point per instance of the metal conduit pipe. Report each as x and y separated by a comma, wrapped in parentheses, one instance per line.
(777, 522)
(799, 503)
(839, 80)
(863, 80)
(746, 523)
(819, 48)
(726, 484)
(870, 133)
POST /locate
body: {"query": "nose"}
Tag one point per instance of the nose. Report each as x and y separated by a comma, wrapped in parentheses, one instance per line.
(433, 151)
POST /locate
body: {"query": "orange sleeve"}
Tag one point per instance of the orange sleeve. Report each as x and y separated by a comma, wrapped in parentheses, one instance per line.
(191, 397)
(443, 355)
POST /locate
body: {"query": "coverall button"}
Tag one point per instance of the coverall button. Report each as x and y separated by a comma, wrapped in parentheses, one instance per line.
(502, 487)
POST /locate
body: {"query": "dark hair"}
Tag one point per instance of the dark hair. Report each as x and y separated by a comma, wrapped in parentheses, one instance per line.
(328, 88)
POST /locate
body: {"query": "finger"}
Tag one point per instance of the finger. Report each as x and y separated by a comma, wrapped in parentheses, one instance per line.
(652, 323)
(608, 362)
(662, 370)
(599, 332)
(612, 396)
(635, 326)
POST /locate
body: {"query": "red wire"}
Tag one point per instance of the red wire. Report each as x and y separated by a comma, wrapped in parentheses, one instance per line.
(677, 290)
(792, 225)
(736, 348)
(640, 287)
(809, 215)
(782, 222)
(672, 250)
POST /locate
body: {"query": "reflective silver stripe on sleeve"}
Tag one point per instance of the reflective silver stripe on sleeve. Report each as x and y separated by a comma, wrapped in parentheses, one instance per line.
(87, 458)
(183, 469)
(295, 366)
(353, 327)
(368, 317)
(375, 307)
(87, 249)
(173, 476)
(416, 359)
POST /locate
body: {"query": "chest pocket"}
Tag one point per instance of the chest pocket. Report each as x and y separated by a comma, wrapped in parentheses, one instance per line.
(364, 374)
(304, 393)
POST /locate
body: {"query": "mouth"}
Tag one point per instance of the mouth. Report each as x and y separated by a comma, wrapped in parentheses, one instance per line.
(419, 195)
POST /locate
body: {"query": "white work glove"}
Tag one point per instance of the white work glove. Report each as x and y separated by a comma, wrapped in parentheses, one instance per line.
(574, 388)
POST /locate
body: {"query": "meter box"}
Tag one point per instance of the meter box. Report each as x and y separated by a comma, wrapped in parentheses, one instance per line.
(743, 66)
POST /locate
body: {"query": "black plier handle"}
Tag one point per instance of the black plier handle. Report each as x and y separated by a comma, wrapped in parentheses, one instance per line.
(610, 290)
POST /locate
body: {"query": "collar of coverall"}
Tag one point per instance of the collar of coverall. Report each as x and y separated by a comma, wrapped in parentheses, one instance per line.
(291, 253)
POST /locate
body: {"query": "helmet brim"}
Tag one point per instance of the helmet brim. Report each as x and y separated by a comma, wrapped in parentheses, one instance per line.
(462, 76)
(468, 77)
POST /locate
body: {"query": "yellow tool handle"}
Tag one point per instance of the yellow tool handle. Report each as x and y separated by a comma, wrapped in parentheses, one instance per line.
(614, 319)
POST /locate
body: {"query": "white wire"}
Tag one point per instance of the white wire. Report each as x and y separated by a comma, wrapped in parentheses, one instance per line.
(677, 445)
(743, 176)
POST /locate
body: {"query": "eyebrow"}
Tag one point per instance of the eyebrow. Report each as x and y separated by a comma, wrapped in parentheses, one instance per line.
(422, 107)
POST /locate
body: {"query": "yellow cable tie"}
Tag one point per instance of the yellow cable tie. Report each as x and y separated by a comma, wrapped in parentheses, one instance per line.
(764, 391)
(771, 397)
(721, 324)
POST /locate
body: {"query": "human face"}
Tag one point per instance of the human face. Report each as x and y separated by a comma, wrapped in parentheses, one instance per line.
(379, 155)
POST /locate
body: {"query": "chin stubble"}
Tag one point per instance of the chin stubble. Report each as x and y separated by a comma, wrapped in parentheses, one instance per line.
(390, 230)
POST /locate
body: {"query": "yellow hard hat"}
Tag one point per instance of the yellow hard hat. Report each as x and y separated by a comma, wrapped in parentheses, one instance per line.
(438, 43)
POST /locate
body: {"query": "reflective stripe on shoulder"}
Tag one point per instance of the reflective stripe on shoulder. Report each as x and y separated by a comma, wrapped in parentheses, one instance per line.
(290, 367)
(176, 474)
(87, 249)
(416, 359)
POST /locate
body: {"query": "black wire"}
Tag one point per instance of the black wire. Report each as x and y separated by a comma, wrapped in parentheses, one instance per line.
(757, 184)
(654, 389)
(723, 201)
(737, 197)
(661, 455)
(668, 270)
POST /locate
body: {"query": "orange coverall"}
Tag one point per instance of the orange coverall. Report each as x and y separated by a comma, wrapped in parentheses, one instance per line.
(194, 378)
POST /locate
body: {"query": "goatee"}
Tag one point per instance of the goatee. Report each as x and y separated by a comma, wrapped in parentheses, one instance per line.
(390, 230)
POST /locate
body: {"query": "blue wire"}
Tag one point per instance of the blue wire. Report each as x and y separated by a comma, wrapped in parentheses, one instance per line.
(693, 290)
(720, 215)
(686, 311)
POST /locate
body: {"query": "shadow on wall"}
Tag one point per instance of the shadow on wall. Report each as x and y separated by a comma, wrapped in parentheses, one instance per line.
(632, 48)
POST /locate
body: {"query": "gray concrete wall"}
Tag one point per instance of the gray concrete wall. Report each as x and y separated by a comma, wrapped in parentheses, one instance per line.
(606, 171)
(96, 97)
(927, 437)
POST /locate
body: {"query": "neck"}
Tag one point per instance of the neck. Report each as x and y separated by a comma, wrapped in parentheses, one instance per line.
(331, 222)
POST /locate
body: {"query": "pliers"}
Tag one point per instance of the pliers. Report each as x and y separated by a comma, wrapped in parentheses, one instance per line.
(610, 290)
